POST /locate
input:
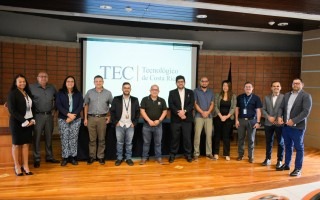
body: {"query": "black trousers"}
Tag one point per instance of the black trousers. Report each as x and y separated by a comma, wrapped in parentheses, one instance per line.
(222, 129)
(178, 129)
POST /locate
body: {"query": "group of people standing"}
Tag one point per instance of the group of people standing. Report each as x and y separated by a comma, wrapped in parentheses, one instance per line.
(32, 109)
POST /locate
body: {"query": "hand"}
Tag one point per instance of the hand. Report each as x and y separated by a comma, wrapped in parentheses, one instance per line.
(290, 122)
(223, 118)
(118, 124)
(107, 120)
(271, 119)
(31, 123)
(237, 124)
(68, 120)
(280, 120)
(151, 123)
(85, 122)
(71, 116)
(156, 122)
(257, 125)
(205, 114)
(181, 114)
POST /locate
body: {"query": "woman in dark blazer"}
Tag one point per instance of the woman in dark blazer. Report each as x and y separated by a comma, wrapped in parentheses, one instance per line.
(21, 123)
(69, 102)
(224, 107)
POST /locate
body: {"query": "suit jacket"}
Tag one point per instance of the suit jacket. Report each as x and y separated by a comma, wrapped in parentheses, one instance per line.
(116, 109)
(62, 104)
(17, 105)
(174, 102)
(300, 109)
(269, 110)
(217, 100)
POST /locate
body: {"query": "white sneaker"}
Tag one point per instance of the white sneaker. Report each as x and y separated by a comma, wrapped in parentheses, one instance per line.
(216, 156)
(227, 158)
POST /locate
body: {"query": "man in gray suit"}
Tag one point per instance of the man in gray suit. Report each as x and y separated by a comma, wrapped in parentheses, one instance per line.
(293, 113)
(270, 110)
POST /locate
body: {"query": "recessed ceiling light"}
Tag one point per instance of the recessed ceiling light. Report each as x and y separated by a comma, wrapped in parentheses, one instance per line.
(283, 24)
(128, 9)
(105, 7)
(201, 16)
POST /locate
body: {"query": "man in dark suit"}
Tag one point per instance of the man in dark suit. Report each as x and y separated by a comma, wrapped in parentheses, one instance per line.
(125, 113)
(270, 110)
(181, 102)
(293, 113)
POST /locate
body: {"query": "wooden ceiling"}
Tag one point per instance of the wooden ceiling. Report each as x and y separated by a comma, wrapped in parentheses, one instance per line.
(242, 15)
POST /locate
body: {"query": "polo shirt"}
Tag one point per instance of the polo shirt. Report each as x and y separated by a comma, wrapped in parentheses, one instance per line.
(43, 98)
(153, 108)
(203, 100)
(98, 102)
(253, 102)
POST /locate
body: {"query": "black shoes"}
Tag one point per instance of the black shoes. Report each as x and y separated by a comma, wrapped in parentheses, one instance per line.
(283, 167)
(129, 162)
(171, 158)
(240, 158)
(27, 173)
(36, 164)
(90, 161)
(143, 161)
(74, 161)
(189, 159)
(266, 162)
(17, 174)
(53, 160)
(118, 162)
(251, 160)
(64, 162)
(102, 161)
(279, 163)
(296, 172)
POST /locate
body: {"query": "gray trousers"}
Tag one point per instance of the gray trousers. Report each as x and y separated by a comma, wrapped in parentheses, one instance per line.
(44, 124)
(97, 129)
(245, 128)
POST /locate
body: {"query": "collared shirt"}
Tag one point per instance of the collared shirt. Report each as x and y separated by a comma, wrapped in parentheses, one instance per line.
(252, 102)
(182, 94)
(98, 102)
(125, 119)
(153, 108)
(291, 100)
(274, 99)
(43, 98)
(203, 100)
(28, 114)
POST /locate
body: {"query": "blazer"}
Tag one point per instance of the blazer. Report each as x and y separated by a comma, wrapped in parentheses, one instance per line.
(62, 104)
(175, 105)
(116, 109)
(300, 109)
(217, 100)
(17, 105)
(269, 110)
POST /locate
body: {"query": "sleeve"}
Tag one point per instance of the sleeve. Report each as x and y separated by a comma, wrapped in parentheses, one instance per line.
(306, 108)
(59, 104)
(233, 104)
(12, 106)
(258, 102)
(190, 106)
(172, 106)
(216, 103)
(264, 107)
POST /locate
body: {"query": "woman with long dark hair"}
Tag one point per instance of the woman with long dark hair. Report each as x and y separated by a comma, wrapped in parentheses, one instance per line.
(69, 102)
(225, 104)
(21, 123)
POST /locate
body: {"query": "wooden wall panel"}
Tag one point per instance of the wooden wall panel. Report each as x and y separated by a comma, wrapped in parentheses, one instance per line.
(311, 34)
(310, 63)
(311, 79)
(311, 47)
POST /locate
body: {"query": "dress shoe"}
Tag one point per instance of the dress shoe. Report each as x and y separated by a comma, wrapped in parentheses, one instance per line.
(296, 172)
(143, 161)
(189, 159)
(159, 161)
(64, 162)
(74, 161)
(36, 164)
(171, 158)
(278, 165)
(118, 162)
(102, 161)
(283, 167)
(227, 158)
(251, 160)
(17, 174)
(266, 162)
(216, 156)
(129, 162)
(210, 156)
(90, 161)
(27, 173)
(240, 158)
(53, 160)
(195, 158)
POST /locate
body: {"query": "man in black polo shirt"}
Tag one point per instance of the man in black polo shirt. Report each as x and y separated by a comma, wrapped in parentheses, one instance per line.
(247, 118)
(153, 109)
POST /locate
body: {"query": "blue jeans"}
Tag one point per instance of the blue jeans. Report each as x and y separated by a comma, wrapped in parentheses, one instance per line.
(147, 132)
(124, 136)
(270, 131)
(293, 137)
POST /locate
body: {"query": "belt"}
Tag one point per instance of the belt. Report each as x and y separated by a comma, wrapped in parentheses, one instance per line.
(248, 118)
(97, 115)
(44, 113)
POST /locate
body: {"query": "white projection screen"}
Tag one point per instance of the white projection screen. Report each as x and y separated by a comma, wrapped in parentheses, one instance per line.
(140, 61)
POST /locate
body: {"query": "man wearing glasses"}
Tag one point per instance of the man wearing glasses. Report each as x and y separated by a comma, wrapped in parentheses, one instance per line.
(43, 99)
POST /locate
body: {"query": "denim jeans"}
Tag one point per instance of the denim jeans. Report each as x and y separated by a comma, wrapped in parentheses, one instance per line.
(124, 136)
(147, 132)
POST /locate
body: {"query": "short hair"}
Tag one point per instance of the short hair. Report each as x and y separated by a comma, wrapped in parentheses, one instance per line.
(98, 76)
(180, 77)
(275, 82)
(298, 79)
(248, 82)
(126, 83)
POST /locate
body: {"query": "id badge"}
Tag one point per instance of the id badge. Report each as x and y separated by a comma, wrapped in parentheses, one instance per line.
(244, 111)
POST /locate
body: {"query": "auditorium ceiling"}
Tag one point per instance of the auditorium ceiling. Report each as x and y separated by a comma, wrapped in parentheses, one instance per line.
(274, 16)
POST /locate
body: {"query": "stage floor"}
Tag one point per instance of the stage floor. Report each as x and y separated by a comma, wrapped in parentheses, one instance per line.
(179, 180)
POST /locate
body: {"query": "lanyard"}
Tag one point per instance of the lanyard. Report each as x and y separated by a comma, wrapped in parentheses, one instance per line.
(126, 105)
(246, 102)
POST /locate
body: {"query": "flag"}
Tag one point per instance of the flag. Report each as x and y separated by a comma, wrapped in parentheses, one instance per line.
(229, 75)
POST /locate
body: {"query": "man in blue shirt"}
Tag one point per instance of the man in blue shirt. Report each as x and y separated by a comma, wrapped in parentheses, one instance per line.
(247, 119)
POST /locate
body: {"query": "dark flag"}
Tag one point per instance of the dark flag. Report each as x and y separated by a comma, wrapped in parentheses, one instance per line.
(229, 75)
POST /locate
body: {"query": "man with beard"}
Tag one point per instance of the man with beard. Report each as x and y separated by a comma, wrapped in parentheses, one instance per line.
(204, 104)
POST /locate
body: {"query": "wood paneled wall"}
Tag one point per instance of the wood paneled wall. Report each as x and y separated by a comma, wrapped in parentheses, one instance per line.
(310, 74)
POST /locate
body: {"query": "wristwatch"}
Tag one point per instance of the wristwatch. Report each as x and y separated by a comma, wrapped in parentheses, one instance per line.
(259, 123)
